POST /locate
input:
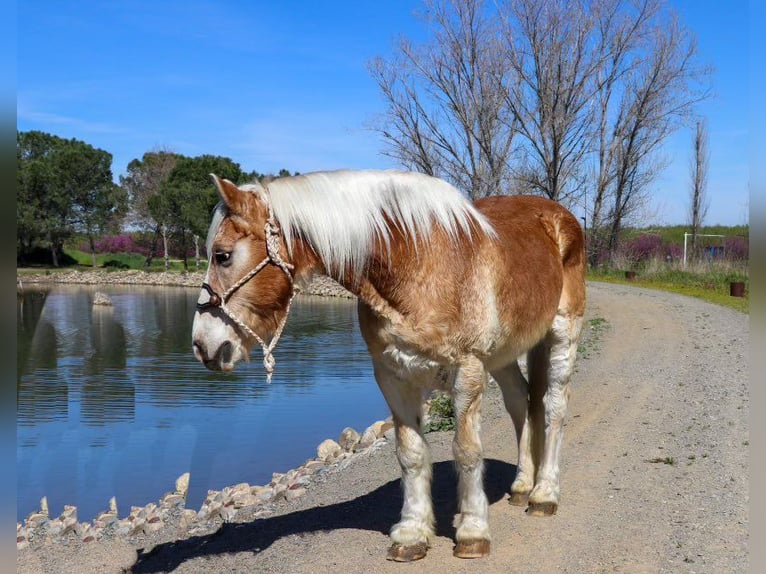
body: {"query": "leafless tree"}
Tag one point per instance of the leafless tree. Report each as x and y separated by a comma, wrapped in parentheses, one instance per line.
(623, 32)
(647, 93)
(567, 99)
(447, 113)
(554, 50)
(699, 169)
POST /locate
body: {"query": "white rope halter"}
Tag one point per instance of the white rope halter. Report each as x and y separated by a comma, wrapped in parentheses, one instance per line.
(273, 257)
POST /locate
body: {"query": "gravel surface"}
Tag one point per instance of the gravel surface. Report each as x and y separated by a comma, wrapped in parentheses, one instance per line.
(654, 472)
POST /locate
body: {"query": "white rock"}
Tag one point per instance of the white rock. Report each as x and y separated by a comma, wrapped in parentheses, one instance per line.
(313, 466)
(100, 298)
(244, 499)
(182, 484)
(376, 428)
(262, 494)
(294, 492)
(328, 450)
(348, 439)
(368, 437)
(153, 524)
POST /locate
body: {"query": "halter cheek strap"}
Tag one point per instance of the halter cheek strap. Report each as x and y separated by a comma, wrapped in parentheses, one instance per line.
(273, 257)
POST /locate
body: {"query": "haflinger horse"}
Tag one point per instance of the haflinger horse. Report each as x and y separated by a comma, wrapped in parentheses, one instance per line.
(449, 293)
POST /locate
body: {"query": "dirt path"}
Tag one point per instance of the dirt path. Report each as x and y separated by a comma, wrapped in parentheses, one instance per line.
(654, 472)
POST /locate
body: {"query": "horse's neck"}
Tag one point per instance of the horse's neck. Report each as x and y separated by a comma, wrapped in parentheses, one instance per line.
(373, 288)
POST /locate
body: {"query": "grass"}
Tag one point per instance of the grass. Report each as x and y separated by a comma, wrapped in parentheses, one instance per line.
(592, 337)
(112, 262)
(441, 414)
(710, 283)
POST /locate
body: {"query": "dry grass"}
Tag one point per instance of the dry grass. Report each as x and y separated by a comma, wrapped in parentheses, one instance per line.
(708, 280)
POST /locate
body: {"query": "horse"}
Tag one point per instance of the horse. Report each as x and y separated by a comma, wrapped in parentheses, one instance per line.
(450, 293)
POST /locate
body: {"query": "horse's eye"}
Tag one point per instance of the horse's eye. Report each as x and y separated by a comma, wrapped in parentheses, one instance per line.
(223, 258)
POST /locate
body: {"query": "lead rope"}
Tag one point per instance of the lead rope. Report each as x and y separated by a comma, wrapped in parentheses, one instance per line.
(274, 257)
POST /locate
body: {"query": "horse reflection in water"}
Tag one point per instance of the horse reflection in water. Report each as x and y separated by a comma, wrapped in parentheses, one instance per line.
(450, 293)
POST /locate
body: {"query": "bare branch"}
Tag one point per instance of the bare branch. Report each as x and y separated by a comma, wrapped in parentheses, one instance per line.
(446, 110)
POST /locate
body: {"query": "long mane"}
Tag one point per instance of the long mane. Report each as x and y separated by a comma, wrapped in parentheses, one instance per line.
(342, 214)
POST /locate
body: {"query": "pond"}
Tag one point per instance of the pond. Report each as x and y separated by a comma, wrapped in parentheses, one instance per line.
(111, 402)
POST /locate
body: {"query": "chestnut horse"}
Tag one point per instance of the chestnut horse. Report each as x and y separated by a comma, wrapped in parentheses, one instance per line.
(449, 294)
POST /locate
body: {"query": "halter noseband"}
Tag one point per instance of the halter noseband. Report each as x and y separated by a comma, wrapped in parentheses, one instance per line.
(273, 257)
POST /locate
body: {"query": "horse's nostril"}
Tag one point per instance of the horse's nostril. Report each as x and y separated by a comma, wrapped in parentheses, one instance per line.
(199, 351)
(225, 352)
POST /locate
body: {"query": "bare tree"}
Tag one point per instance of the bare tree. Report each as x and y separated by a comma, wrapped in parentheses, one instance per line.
(656, 91)
(622, 30)
(699, 169)
(447, 113)
(551, 97)
(554, 50)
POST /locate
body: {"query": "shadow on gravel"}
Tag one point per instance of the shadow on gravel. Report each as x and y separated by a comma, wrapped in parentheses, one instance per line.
(376, 511)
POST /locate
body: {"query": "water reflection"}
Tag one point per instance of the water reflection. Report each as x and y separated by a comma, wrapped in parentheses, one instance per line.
(112, 402)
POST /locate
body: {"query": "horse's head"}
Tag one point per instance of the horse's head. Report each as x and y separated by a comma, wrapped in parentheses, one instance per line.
(248, 286)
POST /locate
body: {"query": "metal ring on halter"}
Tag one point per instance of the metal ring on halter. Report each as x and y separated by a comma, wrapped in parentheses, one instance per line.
(214, 299)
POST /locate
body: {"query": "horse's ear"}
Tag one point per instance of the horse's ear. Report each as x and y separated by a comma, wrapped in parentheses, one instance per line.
(236, 200)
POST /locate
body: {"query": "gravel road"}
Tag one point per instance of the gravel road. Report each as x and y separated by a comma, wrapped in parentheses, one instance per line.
(654, 472)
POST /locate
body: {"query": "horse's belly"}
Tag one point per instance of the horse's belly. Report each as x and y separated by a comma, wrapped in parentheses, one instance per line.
(410, 365)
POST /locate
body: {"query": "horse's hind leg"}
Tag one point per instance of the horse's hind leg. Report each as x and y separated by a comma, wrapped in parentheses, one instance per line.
(551, 364)
(516, 398)
(472, 522)
(412, 534)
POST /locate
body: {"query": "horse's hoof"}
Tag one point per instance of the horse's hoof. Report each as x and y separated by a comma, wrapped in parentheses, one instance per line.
(407, 553)
(542, 508)
(471, 548)
(519, 498)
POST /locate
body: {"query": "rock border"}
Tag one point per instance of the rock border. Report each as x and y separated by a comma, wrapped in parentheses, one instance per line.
(224, 505)
(321, 285)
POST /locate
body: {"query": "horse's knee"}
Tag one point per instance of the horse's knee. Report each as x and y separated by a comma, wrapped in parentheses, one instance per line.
(411, 449)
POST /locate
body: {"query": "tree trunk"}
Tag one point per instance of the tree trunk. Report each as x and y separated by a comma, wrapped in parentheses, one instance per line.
(185, 249)
(92, 244)
(153, 247)
(54, 254)
(165, 246)
(196, 249)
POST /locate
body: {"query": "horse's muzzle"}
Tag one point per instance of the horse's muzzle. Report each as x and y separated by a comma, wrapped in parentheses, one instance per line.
(221, 360)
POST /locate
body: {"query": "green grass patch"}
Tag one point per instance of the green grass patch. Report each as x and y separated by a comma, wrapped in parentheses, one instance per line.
(83, 261)
(591, 337)
(711, 286)
(441, 414)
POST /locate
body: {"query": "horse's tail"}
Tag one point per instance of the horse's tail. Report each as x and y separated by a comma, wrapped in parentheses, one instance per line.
(565, 231)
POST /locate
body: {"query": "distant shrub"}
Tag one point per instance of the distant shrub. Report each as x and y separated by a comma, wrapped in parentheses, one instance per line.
(674, 251)
(114, 264)
(736, 248)
(124, 243)
(644, 247)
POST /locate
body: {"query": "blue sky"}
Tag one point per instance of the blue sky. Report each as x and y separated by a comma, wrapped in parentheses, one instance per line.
(285, 85)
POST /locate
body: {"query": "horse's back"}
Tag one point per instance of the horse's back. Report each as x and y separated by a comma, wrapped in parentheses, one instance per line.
(542, 247)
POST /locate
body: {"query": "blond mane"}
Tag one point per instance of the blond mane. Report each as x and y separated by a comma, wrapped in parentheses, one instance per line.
(342, 214)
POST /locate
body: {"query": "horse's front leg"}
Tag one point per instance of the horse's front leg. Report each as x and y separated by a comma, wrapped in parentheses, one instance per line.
(411, 536)
(472, 522)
